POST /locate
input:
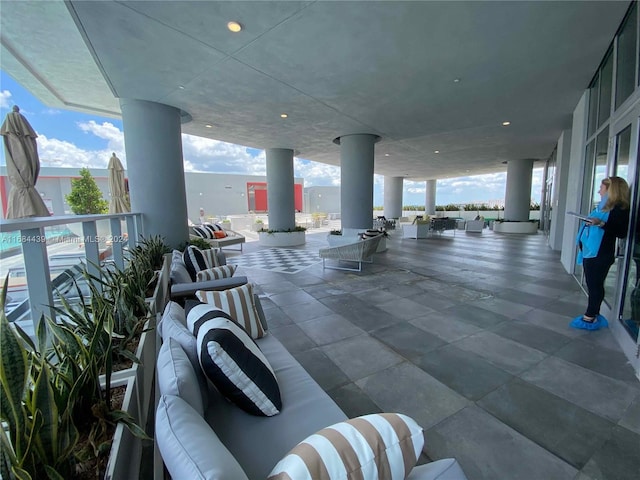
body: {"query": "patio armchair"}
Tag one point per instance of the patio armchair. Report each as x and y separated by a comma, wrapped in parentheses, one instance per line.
(475, 225)
(358, 252)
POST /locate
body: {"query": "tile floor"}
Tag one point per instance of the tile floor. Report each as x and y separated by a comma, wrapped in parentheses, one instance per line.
(469, 335)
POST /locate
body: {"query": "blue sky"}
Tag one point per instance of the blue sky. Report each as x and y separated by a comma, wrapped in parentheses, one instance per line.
(72, 139)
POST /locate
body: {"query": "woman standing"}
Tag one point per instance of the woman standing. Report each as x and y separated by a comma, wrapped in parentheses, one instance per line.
(597, 243)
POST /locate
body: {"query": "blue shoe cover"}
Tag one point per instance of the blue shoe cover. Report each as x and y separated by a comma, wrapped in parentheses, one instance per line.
(597, 324)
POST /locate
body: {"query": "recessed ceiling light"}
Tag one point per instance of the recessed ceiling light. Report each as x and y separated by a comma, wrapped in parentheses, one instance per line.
(386, 154)
(456, 80)
(506, 124)
(181, 87)
(436, 151)
(208, 125)
(283, 115)
(234, 27)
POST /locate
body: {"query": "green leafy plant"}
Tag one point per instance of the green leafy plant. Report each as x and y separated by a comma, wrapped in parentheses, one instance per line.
(85, 196)
(288, 230)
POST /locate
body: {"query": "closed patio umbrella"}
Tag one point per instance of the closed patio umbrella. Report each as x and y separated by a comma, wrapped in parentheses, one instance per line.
(23, 167)
(119, 202)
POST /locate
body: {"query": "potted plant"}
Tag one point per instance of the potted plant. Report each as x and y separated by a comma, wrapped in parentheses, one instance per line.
(60, 418)
(290, 237)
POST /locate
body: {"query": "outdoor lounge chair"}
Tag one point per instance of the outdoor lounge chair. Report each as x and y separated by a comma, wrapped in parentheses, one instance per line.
(358, 252)
(232, 238)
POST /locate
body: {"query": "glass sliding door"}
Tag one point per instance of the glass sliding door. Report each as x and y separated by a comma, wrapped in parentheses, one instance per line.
(626, 311)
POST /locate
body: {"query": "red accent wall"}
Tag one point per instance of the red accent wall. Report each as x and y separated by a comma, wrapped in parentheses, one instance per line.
(257, 196)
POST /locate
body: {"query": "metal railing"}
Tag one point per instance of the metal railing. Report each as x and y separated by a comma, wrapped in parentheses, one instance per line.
(30, 234)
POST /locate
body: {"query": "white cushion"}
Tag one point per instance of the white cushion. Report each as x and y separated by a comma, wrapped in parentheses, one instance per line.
(378, 446)
(189, 447)
(216, 273)
(176, 375)
(239, 304)
(174, 310)
(233, 362)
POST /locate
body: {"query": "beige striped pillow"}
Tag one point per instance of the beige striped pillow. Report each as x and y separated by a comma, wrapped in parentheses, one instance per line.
(239, 304)
(378, 446)
(215, 273)
(211, 257)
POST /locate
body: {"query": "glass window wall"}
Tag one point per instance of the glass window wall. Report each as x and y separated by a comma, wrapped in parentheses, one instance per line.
(625, 71)
(606, 77)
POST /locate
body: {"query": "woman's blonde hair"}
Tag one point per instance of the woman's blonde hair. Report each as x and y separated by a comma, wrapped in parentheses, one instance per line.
(617, 193)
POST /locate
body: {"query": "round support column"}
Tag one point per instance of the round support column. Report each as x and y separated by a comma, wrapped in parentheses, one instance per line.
(356, 181)
(430, 197)
(393, 196)
(280, 192)
(517, 200)
(153, 143)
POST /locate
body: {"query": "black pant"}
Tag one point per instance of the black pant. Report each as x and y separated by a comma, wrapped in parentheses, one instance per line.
(595, 273)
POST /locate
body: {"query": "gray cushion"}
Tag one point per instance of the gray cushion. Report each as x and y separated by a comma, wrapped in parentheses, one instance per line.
(306, 408)
(190, 449)
(176, 375)
(172, 328)
(446, 469)
(178, 272)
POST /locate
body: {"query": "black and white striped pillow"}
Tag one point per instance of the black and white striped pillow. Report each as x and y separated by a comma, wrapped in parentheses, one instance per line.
(202, 231)
(216, 273)
(383, 445)
(212, 227)
(195, 261)
(233, 361)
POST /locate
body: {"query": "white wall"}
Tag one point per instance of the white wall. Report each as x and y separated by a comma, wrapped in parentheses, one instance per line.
(560, 188)
(575, 180)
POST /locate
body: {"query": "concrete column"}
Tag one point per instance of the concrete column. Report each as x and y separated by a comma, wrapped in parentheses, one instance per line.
(153, 143)
(430, 197)
(280, 196)
(356, 177)
(561, 187)
(393, 196)
(517, 201)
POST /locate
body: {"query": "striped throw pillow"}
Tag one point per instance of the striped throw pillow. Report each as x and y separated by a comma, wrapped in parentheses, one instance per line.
(202, 231)
(239, 303)
(233, 361)
(211, 257)
(216, 273)
(195, 261)
(378, 446)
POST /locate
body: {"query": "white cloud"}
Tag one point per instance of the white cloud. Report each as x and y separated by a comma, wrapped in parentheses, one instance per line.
(205, 155)
(5, 96)
(316, 174)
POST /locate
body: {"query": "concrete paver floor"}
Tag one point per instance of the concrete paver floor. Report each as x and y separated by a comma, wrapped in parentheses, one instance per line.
(469, 335)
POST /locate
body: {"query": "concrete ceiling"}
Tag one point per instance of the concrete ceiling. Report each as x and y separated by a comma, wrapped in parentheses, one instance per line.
(335, 67)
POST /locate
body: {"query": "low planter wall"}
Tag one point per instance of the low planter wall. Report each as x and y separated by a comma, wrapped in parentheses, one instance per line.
(515, 227)
(281, 239)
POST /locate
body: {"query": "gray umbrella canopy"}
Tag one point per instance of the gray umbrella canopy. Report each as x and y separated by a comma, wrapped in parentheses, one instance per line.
(23, 167)
(119, 202)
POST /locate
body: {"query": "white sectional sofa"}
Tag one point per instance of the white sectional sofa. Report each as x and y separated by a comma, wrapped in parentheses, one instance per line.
(201, 435)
